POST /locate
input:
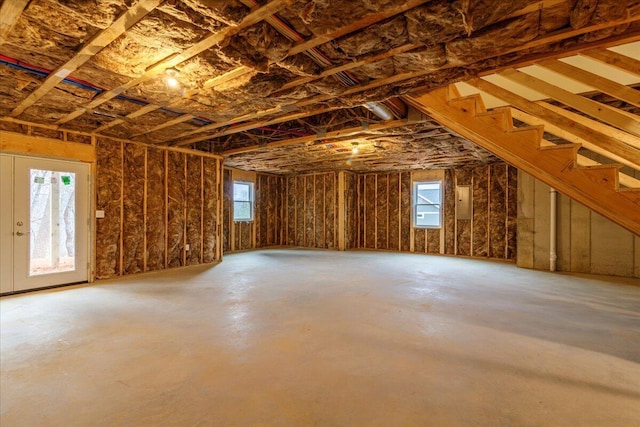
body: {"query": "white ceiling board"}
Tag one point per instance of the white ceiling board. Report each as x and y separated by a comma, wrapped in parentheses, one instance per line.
(603, 70)
(556, 79)
(630, 49)
(595, 67)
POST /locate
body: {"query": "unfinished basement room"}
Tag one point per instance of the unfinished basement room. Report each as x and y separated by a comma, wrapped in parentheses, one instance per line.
(319, 213)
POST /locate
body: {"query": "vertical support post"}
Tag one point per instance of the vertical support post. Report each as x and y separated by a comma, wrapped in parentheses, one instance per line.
(54, 219)
(341, 211)
(553, 229)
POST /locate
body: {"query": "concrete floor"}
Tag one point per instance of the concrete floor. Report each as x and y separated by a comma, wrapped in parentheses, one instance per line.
(303, 337)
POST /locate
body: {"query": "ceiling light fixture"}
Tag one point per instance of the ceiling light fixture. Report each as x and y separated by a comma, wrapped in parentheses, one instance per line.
(354, 150)
(172, 77)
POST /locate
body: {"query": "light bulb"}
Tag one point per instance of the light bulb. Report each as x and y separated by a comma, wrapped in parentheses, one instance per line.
(354, 150)
(172, 82)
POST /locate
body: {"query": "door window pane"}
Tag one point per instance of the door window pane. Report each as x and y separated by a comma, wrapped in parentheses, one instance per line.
(52, 222)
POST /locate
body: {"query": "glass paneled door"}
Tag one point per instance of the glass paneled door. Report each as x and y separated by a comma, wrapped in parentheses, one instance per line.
(45, 223)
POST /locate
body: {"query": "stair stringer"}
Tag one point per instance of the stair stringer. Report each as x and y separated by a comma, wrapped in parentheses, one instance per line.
(556, 166)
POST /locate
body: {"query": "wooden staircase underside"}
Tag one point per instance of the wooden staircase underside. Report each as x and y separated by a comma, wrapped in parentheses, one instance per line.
(599, 186)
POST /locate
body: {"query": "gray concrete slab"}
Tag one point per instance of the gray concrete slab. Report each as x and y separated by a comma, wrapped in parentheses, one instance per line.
(304, 337)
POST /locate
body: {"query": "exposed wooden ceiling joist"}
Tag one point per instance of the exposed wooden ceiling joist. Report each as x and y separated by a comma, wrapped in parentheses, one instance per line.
(614, 59)
(631, 140)
(342, 133)
(91, 48)
(315, 41)
(173, 60)
(624, 153)
(253, 125)
(10, 11)
(397, 78)
(615, 89)
(580, 103)
(357, 25)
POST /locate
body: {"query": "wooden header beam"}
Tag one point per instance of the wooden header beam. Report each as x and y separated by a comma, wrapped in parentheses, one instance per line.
(343, 133)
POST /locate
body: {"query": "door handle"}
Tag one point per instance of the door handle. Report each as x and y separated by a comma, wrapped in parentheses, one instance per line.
(19, 233)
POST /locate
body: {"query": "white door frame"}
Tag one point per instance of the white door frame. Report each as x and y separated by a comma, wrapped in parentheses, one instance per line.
(14, 250)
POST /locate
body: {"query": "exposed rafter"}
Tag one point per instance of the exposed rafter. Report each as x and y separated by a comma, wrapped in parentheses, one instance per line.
(587, 106)
(401, 77)
(342, 133)
(615, 89)
(623, 152)
(10, 11)
(614, 59)
(173, 60)
(91, 48)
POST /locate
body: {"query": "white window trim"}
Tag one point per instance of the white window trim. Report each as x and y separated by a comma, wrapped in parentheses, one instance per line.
(251, 201)
(414, 205)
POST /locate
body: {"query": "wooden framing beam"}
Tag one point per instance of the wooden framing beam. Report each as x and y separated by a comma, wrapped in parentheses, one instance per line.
(630, 155)
(587, 106)
(91, 48)
(628, 139)
(358, 25)
(10, 12)
(345, 67)
(172, 60)
(549, 38)
(615, 89)
(330, 135)
(568, 136)
(211, 83)
(614, 59)
(252, 125)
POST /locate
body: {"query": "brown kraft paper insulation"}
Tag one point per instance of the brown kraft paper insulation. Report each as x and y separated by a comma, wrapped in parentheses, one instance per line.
(449, 210)
(175, 208)
(210, 213)
(405, 181)
(108, 197)
(350, 211)
(194, 209)
(498, 210)
(290, 212)
(133, 214)
(463, 177)
(382, 211)
(419, 237)
(155, 209)
(512, 209)
(331, 209)
(227, 202)
(394, 212)
(370, 211)
(480, 211)
(309, 211)
(433, 240)
(319, 211)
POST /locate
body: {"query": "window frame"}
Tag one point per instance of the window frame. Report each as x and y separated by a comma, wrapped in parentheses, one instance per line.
(415, 204)
(251, 201)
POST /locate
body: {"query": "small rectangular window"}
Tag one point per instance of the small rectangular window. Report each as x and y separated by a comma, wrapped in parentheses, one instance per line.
(427, 203)
(242, 201)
